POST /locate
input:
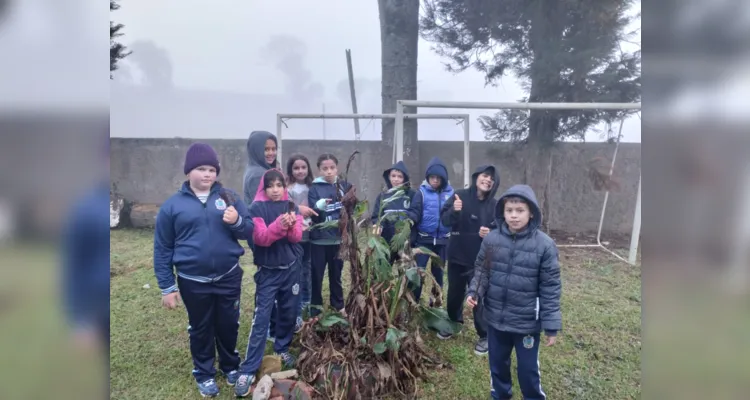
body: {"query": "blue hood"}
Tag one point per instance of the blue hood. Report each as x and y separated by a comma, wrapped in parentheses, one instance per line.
(437, 167)
(527, 193)
(399, 166)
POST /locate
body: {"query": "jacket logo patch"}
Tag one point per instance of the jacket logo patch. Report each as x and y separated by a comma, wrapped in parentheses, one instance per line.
(295, 289)
(446, 197)
(220, 205)
(407, 203)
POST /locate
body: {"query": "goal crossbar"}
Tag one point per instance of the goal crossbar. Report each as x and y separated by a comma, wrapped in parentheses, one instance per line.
(463, 118)
(635, 234)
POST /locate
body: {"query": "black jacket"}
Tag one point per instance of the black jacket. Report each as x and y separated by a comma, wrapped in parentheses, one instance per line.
(400, 205)
(517, 276)
(464, 242)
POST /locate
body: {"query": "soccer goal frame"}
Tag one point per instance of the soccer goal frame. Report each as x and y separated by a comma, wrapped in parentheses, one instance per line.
(398, 140)
(636, 231)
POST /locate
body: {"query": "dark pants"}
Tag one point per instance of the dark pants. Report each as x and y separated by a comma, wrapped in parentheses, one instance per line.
(214, 316)
(459, 277)
(272, 285)
(321, 256)
(437, 272)
(306, 277)
(501, 345)
(305, 289)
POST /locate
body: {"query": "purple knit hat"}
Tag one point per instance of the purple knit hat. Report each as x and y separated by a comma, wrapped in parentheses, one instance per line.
(201, 154)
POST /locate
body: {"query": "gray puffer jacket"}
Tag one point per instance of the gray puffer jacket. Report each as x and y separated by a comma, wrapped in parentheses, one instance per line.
(517, 276)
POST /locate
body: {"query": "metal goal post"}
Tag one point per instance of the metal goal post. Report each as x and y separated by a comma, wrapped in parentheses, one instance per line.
(462, 118)
(636, 232)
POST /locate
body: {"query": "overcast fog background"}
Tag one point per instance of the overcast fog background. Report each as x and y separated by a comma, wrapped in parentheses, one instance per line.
(223, 68)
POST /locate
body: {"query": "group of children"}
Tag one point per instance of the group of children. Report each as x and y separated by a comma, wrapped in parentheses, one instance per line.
(499, 263)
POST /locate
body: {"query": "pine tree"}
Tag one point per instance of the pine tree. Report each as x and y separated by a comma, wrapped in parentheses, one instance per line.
(117, 51)
(559, 50)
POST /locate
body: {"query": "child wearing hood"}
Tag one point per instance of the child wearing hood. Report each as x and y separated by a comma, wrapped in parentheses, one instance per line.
(278, 255)
(261, 156)
(197, 238)
(395, 178)
(471, 215)
(325, 196)
(434, 192)
(517, 280)
(262, 148)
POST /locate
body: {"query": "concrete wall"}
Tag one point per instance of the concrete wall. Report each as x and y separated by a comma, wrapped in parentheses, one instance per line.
(150, 170)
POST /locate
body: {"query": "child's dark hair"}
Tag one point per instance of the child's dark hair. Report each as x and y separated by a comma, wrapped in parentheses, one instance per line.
(289, 167)
(272, 176)
(514, 199)
(327, 156)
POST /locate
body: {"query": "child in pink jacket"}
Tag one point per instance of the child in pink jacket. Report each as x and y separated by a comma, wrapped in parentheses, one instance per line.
(278, 255)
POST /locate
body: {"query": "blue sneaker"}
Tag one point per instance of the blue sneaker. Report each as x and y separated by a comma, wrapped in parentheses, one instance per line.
(243, 385)
(232, 377)
(287, 360)
(208, 388)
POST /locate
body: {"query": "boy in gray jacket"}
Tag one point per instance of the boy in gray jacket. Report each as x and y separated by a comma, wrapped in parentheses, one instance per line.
(517, 281)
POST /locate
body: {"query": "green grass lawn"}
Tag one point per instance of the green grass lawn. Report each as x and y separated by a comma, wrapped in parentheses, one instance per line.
(598, 355)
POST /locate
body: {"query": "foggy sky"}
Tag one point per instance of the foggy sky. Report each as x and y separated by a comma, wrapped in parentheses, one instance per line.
(292, 51)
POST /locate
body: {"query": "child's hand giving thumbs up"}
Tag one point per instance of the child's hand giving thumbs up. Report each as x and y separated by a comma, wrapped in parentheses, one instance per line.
(457, 203)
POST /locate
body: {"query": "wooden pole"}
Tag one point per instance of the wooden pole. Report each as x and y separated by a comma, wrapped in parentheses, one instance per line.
(357, 135)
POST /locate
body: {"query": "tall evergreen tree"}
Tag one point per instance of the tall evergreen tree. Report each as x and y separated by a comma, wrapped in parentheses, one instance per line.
(559, 50)
(117, 51)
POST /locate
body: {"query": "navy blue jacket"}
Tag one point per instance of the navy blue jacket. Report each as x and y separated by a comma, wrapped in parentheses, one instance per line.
(401, 205)
(273, 245)
(464, 242)
(86, 260)
(321, 189)
(517, 275)
(192, 237)
(427, 203)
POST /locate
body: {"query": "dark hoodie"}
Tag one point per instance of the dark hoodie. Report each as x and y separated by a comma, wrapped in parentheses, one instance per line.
(517, 275)
(273, 245)
(401, 205)
(426, 206)
(464, 242)
(256, 162)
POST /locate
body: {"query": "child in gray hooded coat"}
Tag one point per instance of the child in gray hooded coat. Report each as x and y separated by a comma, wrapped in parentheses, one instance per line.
(261, 156)
(517, 281)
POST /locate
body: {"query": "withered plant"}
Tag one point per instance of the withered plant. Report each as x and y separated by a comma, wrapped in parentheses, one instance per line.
(375, 348)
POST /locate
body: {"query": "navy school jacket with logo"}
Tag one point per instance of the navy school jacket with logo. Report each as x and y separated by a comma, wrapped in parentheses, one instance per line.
(192, 238)
(321, 189)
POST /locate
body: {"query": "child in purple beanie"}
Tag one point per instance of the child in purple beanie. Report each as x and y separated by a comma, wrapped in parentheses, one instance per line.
(197, 239)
